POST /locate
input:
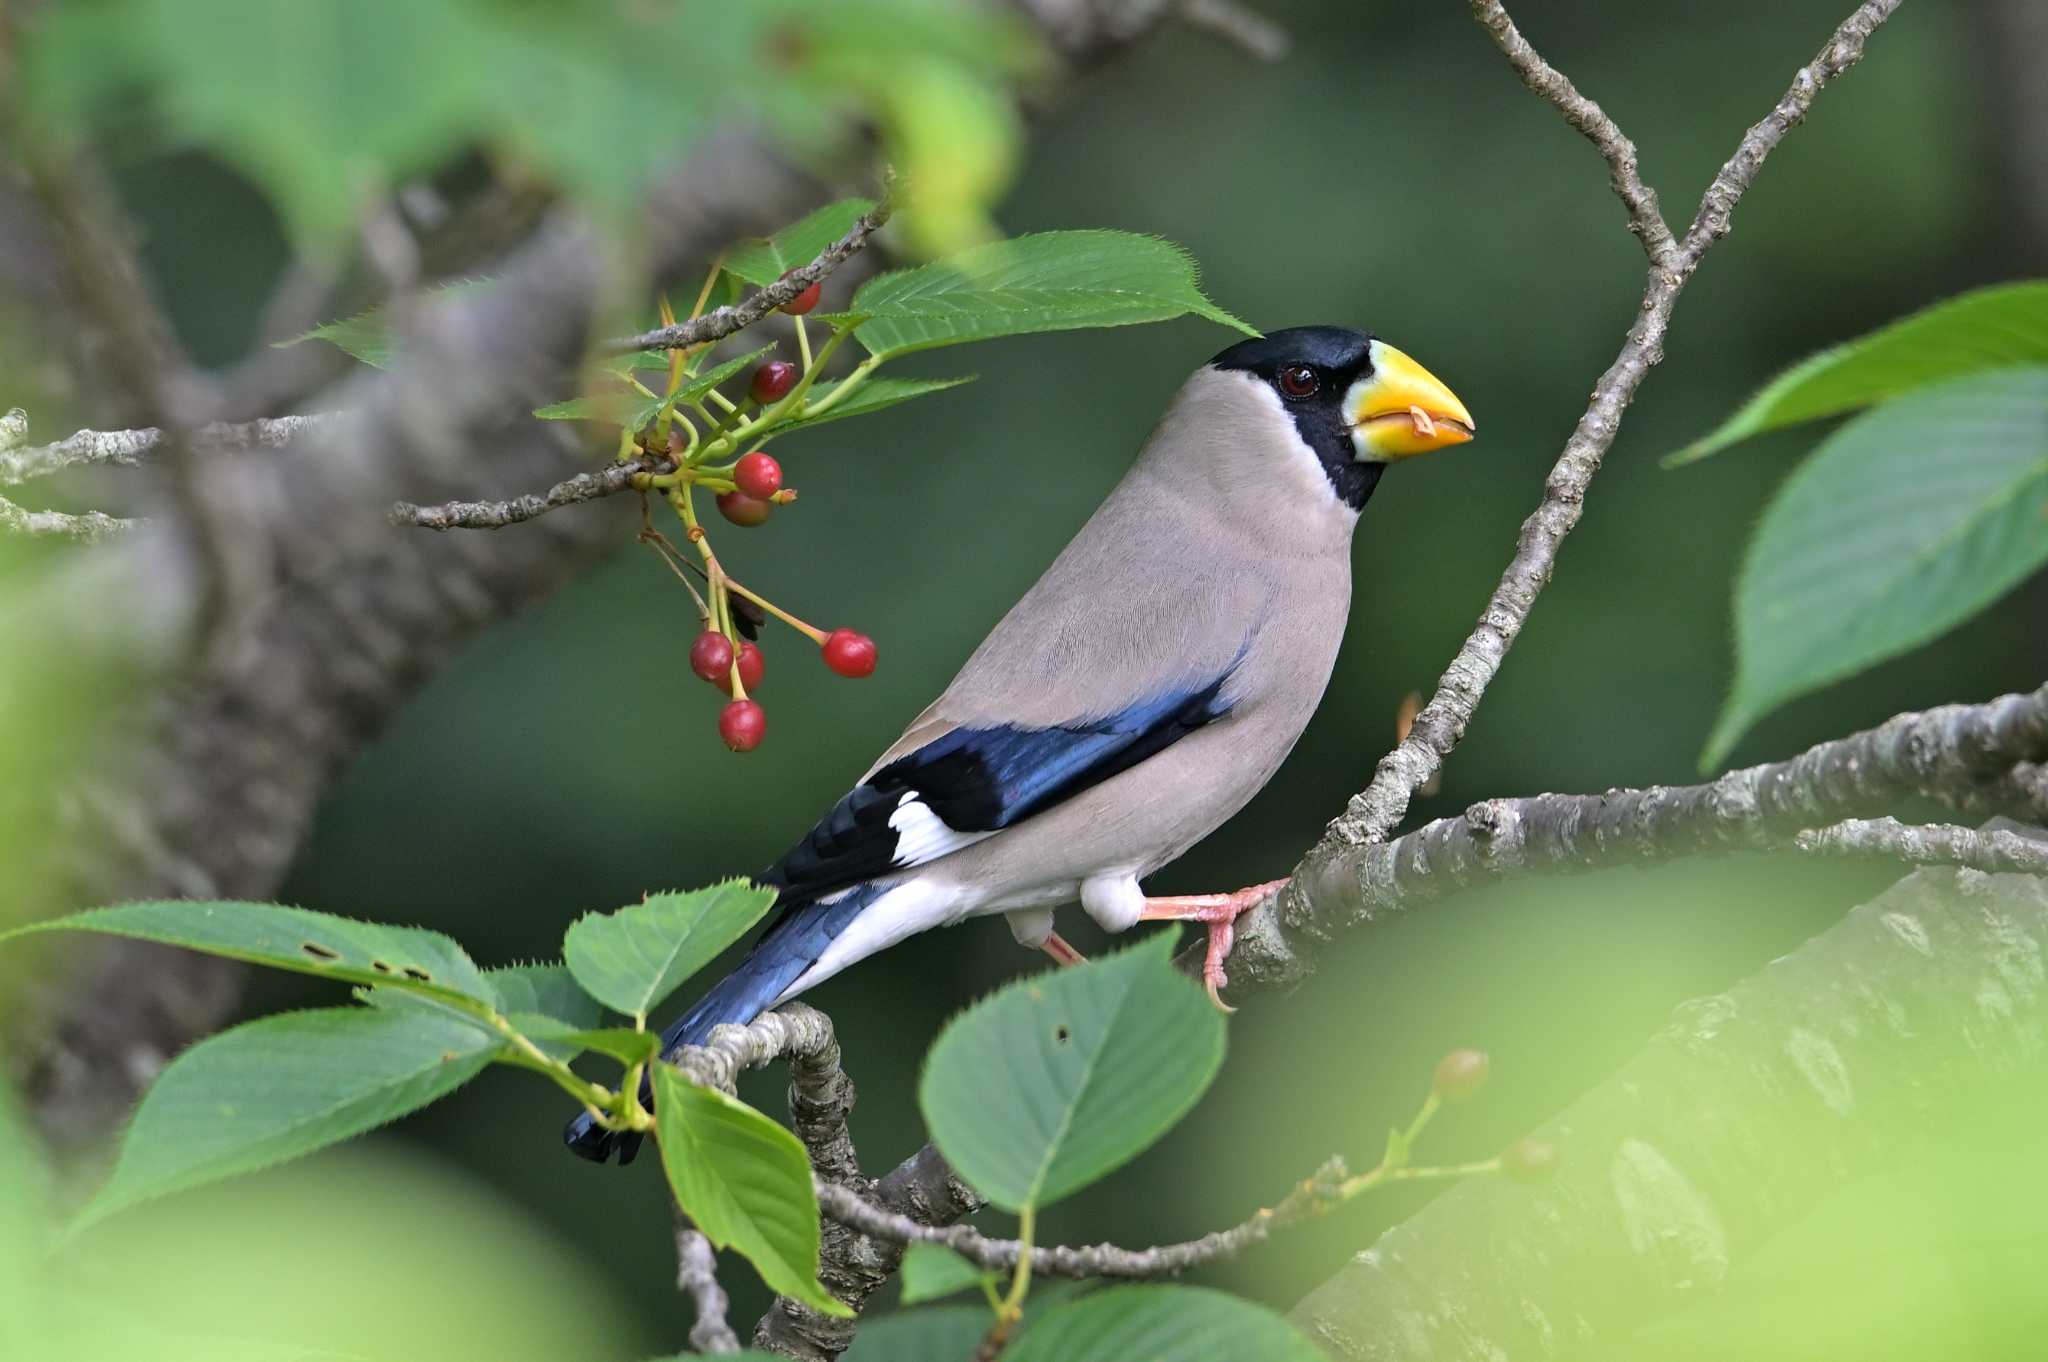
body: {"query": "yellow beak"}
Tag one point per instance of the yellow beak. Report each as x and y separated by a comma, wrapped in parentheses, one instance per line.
(1402, 410)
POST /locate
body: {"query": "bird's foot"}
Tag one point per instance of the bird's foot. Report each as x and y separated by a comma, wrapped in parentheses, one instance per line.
(1063, 955)
(1219, 912)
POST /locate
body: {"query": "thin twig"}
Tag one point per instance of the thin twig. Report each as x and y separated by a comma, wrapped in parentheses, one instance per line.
(496, 515)
(723, 321)
(126, 448)
(1373, 813)
(89, 527)
(1994, 851)
(697, 1275)
(1311, 1197)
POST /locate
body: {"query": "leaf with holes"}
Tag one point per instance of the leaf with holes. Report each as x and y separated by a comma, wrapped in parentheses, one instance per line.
(1904, 523)
(409, 958)
(761, 260)
(1059, 1078)
(745, 1181)
(1054, 281)
(1991, 328)
(871, 396)
(1184, 1323)
(632, 959)
(932, 1270)
(283, 1086)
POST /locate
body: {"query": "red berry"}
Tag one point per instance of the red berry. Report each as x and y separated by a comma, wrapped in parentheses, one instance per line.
(772, 381)
(744, 510)
(1529, 1159)
(849, 653)
(1459, 1075)
(752, 665)
(742, 725)
(758, 475)
(711, 657)
(805, 301)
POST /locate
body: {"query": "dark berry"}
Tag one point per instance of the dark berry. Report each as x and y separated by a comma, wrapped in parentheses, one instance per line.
(805, 301)
(752, 665)
(1459, 1074)
(711, 657)
(772, 381)
(1529, 1159)
(849, 653)
(758, 475)
(742, 725)
(744, 510)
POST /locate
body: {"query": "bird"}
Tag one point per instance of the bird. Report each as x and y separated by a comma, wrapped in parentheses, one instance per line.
(1138, 695)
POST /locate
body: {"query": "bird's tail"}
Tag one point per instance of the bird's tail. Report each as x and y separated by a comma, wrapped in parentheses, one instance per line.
(777, 960)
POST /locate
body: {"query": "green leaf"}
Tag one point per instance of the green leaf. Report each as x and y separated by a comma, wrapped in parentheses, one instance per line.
(283, 1086)
(23, 1233)
(368, 335)
(1991, 328)
(871, 396)
(632, 959)
(549, 990)
(408, 958)
(932, 1270)
(1054, 281)
(946, 1334)
(1905, 522)
(745, 1181)
(1157, 1323)
(764, 260)
(625, 407)
(712, 377)
(565, 1042)
(1059, 1078)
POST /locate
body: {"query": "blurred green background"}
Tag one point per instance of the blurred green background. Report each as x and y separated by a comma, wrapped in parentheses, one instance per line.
(1393, 174)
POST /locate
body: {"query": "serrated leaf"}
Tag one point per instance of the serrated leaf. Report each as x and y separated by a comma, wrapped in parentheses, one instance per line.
(549, 990)
(871, 396)
(760, 260)
(565, 1042)
(412, 959)
(1905, 522)
(624, 407)
(712, 377)
(746, 1183)
(280, 1087)
(1990, 328)
(1053, 281)
(636, 361)
(932, 1270)
(632, 959)
(947, 1333)
(1144, 1323)
(1057, 1079)
(368, 335)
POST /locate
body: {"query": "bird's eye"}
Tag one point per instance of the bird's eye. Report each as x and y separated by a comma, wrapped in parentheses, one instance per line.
(1298, 380)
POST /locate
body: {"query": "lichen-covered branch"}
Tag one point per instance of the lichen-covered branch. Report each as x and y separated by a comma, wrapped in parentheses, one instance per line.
(721, 322)
(1993, 851)
(1311, 1197)
(85, 527)
(1749, 1111)
(1376, 810)
(697, 1277)
(496, 515)
(127, 448)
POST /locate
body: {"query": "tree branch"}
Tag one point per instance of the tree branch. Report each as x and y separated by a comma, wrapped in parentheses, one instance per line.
(1993, 852)
(126, 448)
(496, 515)
(1312, 1197)
(1373, 813)
(89, 527)
(697, 1276)
(723, 321)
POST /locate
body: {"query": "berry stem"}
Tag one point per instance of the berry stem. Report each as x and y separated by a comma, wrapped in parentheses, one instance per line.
(816, 636)
(803, 344)
(683, 498)
(846, 385)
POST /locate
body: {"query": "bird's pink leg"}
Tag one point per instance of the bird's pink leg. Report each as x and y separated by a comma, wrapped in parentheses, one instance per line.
(1220, 913)
(1062, 954)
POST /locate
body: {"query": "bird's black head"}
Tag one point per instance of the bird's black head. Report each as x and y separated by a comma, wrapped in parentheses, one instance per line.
(1357, 402)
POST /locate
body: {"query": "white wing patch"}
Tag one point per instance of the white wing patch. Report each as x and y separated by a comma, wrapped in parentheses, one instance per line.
(922, 835)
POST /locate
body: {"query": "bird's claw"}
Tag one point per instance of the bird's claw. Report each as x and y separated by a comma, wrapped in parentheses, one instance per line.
(1219, 912)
